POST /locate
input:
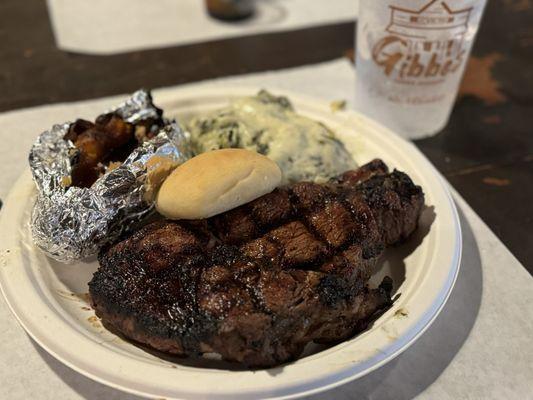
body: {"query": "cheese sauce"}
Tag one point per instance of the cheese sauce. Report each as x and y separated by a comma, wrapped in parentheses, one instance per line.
(304, 149)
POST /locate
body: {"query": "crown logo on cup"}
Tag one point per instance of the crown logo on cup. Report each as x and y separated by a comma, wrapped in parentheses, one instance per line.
(433, 21)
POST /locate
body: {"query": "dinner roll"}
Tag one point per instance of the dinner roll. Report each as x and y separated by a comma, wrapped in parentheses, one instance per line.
(216, 181)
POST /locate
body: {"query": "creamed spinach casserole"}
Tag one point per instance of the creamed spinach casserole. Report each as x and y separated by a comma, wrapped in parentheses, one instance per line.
(304, 149)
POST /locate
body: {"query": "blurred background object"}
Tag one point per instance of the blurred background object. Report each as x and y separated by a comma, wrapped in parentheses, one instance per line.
(118, 26)
(230, 10)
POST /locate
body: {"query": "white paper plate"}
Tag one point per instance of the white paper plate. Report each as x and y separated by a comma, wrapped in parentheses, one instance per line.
(49, 299)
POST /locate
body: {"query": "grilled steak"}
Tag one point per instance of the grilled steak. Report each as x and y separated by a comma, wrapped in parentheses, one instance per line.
(257, 283)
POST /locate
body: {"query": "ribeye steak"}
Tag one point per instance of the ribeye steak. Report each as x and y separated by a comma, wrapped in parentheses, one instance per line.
(259, 282)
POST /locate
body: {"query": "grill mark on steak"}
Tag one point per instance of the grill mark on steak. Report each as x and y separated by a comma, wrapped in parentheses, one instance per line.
(259, 282)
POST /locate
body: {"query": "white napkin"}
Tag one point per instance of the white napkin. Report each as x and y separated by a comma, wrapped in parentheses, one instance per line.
(478, 348)
(114, 26)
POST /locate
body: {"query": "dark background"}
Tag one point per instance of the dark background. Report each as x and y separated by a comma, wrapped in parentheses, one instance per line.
(486, 151)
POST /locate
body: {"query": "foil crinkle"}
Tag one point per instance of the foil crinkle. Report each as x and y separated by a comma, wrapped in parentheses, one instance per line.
(70, 223)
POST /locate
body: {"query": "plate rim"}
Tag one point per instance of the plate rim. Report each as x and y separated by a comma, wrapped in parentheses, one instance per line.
(409, 338)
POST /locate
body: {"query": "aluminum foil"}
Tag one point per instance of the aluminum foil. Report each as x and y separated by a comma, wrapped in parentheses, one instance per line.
(70, 223)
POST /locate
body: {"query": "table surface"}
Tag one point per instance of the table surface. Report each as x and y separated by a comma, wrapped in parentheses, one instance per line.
(485, 152)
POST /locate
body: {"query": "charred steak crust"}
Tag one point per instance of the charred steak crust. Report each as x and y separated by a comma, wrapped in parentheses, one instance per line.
(257, 283)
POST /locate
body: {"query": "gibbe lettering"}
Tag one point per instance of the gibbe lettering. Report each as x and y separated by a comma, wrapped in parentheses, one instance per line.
(422, 45)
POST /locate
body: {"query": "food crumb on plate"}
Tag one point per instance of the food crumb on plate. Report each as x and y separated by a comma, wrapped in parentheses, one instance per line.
(81, 297)
(401, 313)
(337, 105)
(94, 321)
